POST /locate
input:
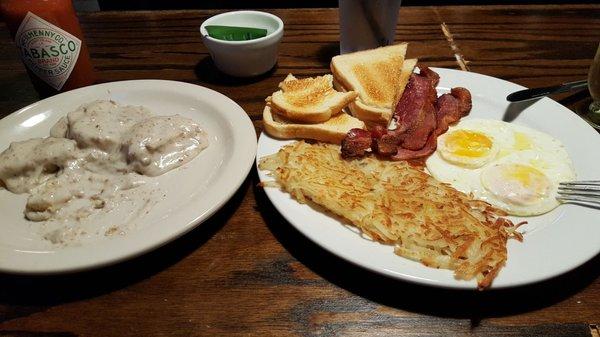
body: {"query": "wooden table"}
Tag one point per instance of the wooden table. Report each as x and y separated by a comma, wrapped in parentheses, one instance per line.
(246, 271)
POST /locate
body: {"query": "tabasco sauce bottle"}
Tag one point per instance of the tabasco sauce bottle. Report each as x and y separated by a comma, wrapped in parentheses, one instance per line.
(50, 43)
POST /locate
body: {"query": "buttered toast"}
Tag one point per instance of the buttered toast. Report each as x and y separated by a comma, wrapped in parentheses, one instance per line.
(310, 100)
(331, 131)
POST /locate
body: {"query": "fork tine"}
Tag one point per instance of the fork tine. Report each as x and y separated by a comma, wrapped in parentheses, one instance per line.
(591, 200)
(582, 182)
(585, 191)
(578, 188)
(582, 193)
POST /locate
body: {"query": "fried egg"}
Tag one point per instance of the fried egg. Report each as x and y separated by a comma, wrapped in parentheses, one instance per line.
(512, 167)
(467, 148)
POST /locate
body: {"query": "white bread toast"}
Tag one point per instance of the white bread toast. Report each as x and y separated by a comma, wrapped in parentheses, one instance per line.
(378, 75)
(330, 131)
(310, 100)
(378, 115)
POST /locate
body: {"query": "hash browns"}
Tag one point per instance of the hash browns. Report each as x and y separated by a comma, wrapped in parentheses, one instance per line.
(394, 203)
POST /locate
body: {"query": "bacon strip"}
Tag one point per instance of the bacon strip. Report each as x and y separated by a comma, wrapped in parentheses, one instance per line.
(430, 74)
(452, 107)
(415, 112)
(421, 117)
(356, 143)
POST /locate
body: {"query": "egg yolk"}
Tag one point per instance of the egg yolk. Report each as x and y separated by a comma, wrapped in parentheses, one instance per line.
(522, 142)
(527, 176)
(516, 183)
(467, 143)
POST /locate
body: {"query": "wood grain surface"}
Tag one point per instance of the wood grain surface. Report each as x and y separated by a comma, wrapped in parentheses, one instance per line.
(246, 271)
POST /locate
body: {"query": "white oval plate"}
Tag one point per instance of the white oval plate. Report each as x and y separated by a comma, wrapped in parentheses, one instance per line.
(554, 243)
(188, 195)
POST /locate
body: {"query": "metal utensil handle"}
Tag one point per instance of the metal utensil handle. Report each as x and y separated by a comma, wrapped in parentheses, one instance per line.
(526, 94)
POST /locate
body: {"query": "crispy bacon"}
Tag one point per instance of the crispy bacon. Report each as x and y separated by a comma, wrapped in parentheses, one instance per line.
(447, 112)
(378, 131)
(449, 109)
(384, 142)
(430, 74)
(415, 112)
(426, 150)
(464, 100)
(356, 143)
(420, 117)
(387, 144)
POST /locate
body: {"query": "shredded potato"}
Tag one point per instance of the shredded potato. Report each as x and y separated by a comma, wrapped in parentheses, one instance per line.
(394, 203)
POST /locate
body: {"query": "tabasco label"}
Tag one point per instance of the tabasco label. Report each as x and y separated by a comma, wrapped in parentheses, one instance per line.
(48, 51)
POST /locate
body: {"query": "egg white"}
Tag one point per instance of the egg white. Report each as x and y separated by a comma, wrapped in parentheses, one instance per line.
(555, 168)
(516, 144)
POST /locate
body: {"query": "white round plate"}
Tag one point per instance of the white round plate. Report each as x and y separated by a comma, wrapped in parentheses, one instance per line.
(554, 243)
(185, 196)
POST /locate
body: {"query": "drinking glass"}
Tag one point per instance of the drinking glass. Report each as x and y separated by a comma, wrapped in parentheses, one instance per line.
(593, 111)
(594, 83)
(366, 24)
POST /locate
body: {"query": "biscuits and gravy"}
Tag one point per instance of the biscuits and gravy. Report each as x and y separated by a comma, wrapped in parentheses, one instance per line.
(94, 152)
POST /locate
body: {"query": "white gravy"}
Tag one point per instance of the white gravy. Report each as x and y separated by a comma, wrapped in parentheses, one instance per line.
(159, 144)
(93, 153)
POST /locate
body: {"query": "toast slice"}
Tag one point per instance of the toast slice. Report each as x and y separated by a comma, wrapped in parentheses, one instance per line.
(310, 100)
(330, 131)
(380, 115)
(377, 75)
(374, 73)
